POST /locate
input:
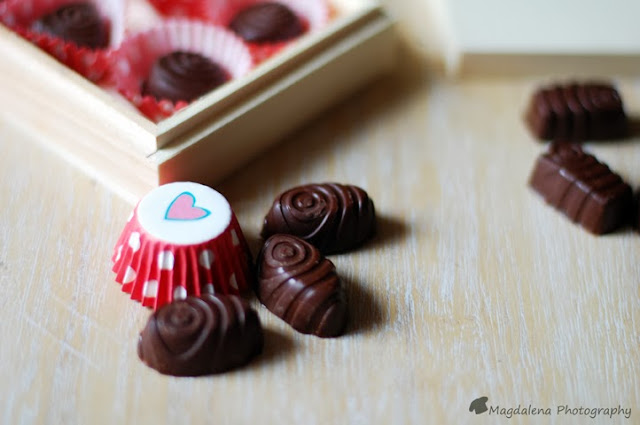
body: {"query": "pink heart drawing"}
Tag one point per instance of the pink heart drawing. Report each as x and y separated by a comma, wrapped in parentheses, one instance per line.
(184, 208)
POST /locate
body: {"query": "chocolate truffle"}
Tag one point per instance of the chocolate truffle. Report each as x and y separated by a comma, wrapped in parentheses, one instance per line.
(266, 22)
(201, 336)
(183, 76)
(79, 23)
(583, 188)
(331, 216)
(299, 285)
(577, 112)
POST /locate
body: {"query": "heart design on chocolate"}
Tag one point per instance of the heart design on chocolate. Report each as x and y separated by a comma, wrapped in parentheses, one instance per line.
(183, 208)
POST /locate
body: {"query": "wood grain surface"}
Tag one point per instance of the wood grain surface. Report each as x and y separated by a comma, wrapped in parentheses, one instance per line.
(473, 287)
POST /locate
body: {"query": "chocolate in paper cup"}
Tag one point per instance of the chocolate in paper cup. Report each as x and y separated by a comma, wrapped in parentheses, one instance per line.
(314, 12)
(93, 64)
(137, 54)
(182, 239)
(314, 15)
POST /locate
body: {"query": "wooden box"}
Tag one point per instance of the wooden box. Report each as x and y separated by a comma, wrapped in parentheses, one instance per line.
(206, 141)
(569, 37)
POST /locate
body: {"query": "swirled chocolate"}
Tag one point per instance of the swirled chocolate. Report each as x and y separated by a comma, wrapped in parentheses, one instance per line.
(300, 286)
(183, 76)
(331, 216)
(583, 188)
(266, 22)
(577, 112)
(79, 23)
(201, 336)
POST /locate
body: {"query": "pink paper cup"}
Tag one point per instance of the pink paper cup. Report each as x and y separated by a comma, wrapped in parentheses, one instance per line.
(182, 239)
(93, 64)
(138, 53)
(194, 9)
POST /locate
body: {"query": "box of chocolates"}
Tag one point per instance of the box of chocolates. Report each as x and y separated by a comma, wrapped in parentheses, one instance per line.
(139, 93)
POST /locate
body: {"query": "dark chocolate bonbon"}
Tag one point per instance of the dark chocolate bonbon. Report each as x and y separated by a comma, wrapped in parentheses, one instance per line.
(331, 216)
(266, 22)
(183, 76)
(583, 188)
(300, 286)
(577, 112)
(201, 336)
(79, 23)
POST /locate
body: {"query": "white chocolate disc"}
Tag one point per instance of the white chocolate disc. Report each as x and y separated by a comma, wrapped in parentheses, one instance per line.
(184, 213)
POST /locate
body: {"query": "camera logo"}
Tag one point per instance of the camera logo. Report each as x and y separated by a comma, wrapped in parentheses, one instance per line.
(479, 405)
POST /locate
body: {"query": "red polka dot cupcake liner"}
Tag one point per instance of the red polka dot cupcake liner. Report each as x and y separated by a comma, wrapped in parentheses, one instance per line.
(137, 54)
(182, 239)
(314, 15)
(93, 64)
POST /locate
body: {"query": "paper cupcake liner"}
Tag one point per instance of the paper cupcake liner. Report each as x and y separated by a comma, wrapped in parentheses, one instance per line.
(138, 53)
(141, 16)
(94, 65)
(314, 15)
(155, 272)
(186, 8)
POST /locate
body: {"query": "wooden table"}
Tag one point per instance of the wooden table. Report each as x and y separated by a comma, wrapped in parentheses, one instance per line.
(472, 288)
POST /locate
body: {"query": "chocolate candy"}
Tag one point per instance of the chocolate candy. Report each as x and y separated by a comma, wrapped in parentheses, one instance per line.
(583, 188)
(183, 76)
(266, 22)
(300, 286)
(79, 23)
(201, 336)
(577, 112)
(331, 216)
